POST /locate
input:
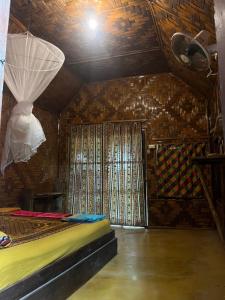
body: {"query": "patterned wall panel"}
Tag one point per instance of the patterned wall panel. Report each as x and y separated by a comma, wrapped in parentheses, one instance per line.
(177, 176)
(172, 113)
(170, 107)
(40, 173)
(182, 213)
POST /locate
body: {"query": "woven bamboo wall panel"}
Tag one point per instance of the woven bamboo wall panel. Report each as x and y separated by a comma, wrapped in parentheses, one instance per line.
(172, 111)
(171, 108)
(40, 173)
(176, 175)
(180, 213)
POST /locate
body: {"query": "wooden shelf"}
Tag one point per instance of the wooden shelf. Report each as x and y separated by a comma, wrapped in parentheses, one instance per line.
(51, 195)
(212, 159)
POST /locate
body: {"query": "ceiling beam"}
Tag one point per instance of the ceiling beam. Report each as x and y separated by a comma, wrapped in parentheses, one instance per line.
(107, 57)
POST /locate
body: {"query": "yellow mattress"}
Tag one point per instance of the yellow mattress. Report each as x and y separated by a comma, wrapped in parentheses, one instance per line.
(22, 260)
(8, 209)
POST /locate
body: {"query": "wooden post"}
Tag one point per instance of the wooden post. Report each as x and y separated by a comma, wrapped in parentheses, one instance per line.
(210, 202)
(219, 6)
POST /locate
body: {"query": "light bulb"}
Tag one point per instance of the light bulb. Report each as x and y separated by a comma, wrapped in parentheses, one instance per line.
(93, 24)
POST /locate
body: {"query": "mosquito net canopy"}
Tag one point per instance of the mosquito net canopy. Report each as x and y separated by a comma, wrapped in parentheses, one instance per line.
(31, 64)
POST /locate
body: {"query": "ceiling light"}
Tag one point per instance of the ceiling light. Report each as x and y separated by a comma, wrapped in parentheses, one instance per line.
(93, 24)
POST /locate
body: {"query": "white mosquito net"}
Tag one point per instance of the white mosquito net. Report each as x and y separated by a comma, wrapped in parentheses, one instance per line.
(31, 64)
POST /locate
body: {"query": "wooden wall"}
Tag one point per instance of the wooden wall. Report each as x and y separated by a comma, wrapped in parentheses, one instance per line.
(40, 173)
(174, 114)
(217, 147)
(215, 121)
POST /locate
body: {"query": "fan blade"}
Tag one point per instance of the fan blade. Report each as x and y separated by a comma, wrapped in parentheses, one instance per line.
(180, 45)
(199, 61)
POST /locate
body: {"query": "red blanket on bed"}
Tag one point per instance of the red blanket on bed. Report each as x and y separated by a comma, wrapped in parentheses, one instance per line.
(37, 214)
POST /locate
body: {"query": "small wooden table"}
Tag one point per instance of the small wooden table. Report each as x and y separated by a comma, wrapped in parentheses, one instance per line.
(47, 201)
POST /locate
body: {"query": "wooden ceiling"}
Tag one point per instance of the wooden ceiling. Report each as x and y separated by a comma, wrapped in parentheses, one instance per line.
(131, 38)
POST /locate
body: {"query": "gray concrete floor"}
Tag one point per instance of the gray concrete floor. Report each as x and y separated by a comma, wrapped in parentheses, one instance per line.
(161, 264)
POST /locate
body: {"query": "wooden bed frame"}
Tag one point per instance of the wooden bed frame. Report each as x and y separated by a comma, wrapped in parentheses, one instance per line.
(61, 278)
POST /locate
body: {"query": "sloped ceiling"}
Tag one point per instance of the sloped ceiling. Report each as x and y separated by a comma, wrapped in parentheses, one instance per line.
(131, 38)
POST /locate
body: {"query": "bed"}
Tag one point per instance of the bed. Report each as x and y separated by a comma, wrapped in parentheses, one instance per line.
(50, 259)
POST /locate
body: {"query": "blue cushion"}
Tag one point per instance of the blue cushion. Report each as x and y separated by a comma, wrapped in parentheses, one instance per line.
(84, 218)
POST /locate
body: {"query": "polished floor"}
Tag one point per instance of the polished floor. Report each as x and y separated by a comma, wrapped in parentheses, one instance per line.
(161, 265)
